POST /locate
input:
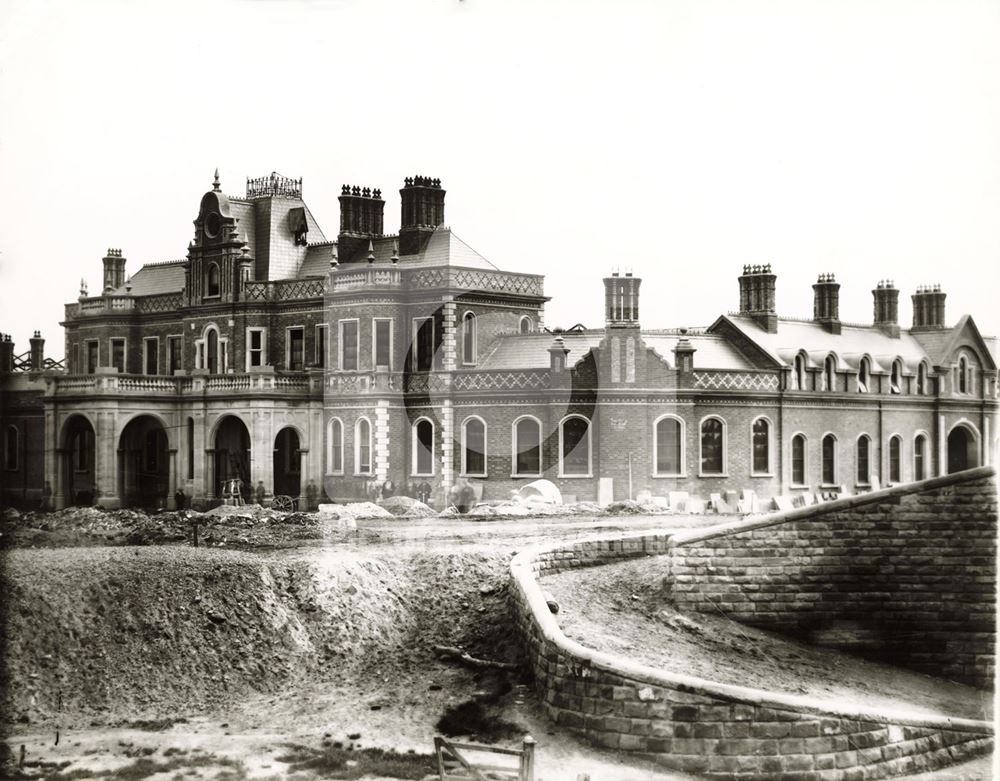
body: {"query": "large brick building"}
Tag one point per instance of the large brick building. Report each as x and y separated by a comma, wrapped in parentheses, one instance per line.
(273, 354)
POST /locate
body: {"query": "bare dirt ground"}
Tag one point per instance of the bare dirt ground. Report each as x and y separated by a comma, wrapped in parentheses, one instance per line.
(300, 652)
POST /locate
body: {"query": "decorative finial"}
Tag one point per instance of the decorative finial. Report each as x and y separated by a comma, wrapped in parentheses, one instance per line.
(128, 286)
(216, 187)
(371, 251)
(333, 258)
(395, 252)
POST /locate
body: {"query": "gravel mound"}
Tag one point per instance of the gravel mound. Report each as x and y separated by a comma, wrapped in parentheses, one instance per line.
(362, 510)
(406, 507)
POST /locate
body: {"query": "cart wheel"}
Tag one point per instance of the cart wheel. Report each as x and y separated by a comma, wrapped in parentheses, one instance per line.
(282, 503)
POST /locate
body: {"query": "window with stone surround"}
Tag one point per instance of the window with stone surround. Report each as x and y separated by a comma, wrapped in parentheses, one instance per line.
(382, 337)
(295, 348)
(863, 460)
(363, 447)
(335, 447)
(668, 446)
(896, 377)
(348, 351)
(256, 347)
(574, 447)
(828, 456)
(212, 280)
(527, 444)
(895, 459)
(474, 447)
(830, 373)
(864, 375)
(151, 355)
(118, 354)
(319, 346)
(174, 357)
(920, 457)
(469, 339)
(713, 446)
(799, 460)
(760, 442)
(92, 352)
(422, 460)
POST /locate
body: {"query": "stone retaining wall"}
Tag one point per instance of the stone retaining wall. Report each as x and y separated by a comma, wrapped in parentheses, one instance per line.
(715, 729)
(904, 576)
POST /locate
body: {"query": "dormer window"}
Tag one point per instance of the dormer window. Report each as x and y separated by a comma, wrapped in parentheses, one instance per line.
(896, 378)
(799, 373)
(864, 375)
(922, 379)
(212, 280)
(963, 374)
(830, 373)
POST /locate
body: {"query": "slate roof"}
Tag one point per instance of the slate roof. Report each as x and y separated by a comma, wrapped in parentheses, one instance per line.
(850, 345)
(443, 248)
(712, 351)
(531, 351)
(154, 278)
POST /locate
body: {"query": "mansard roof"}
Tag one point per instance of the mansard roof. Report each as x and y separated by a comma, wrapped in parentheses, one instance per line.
(443, 248)
(154, 278)
(531, 351)
(713, 351)
(850, 345)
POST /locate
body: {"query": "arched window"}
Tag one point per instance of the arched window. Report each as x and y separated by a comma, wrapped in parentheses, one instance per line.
(799, 373)
(895, 461)
(212, 351)
(11, 448)
(798, 460)
(527, 447)
(423, 448)
(829, 457)
(864, 375)
(963, 372)
(863, 461)
(920, 457)
(896, 378)
(922, 378)
(335, 447)
(363, 447)
(474, 447)
(760, 435)
(525, 325)
(830, 373)
(212, 280)
(469, 338)
(713, 446)
(668, 446)
(574, 446)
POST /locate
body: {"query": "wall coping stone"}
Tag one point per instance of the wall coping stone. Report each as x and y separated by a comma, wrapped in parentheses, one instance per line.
(523, 576)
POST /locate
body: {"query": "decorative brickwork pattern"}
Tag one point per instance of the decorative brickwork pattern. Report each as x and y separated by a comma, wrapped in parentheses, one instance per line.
(718, 730)
(720, 380)
(521, 284)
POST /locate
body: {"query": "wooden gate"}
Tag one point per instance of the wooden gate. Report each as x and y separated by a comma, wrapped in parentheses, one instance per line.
(455, 763)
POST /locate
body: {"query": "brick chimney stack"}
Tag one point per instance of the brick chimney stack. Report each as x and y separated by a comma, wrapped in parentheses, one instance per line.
(361, 214)
(928, 307)
(6, 354)
(114, 270)
(684, 353)
(887, 308)
(826, 302)
(422, 206)
(757, 296)
(37, 352)
(621, 299)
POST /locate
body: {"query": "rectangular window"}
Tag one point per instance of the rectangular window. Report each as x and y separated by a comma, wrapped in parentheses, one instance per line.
(255, 347)
(173, 354)
(118, 355)
(349, 345)
(319, 357)
(383, 342)
(296, 349)
(92, 350)
(151, 359)
(423, 344)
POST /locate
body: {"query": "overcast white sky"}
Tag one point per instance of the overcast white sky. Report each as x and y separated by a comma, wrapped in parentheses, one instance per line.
(678, 139)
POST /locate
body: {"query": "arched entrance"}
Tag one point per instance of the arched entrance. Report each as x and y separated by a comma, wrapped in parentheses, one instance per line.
(963, 452)
(232, 455)
(287, 463)
(143, 464)
(79, 469)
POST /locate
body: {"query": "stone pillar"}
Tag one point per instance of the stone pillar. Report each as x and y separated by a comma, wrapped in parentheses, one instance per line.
(55, 460)
(987, 441)
(108, 462)
(199, 487)
(262, 449)
(447, 447)
(382, 440)
(942, 461)
(171, 478)
(208, 471)
(448, 340)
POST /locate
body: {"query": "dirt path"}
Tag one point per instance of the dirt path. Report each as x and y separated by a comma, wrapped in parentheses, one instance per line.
(616, 608)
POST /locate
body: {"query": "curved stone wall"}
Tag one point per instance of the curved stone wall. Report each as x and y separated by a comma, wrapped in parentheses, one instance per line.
(710, 728)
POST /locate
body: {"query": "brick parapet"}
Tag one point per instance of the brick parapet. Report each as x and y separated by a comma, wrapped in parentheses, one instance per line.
(707, 727)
